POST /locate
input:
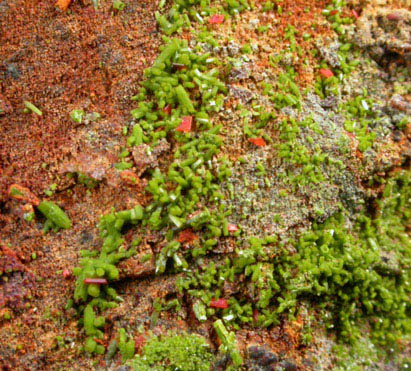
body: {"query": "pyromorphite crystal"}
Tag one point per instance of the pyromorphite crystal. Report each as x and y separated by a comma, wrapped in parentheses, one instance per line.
(53, 213)
(174, 352)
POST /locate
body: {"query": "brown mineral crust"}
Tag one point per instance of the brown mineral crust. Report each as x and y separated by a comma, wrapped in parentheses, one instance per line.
(64, 61)
(23, 194)
(385, 33)
(19, 284)
(94, 165)
(10, 261)
(5, 106)
(401, 103)
(187, 236)
(145, 157)
(19, 287)
(134, 268)
(294, 14)
(60, 61)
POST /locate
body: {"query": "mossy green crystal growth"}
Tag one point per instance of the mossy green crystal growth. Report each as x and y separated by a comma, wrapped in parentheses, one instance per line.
(174, 352)
(102, 265)
(126, 345)
(339, 269)
(228, 343)
(359, 117)
(183, 12)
